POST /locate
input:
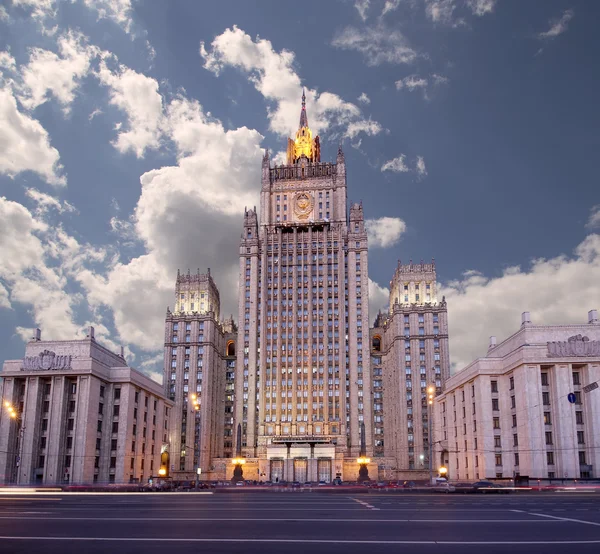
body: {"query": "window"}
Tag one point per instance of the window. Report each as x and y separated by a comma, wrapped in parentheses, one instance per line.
(117, 394)
(576, 380)
(580, 438)
(102, 391)
(70, 424)
(548, 437)
(579, 418)
(115, 427)
(577, 397)
(546, 398)
(513, 402)
(516, 458)
(495, 405)
(512, 383)
(582, 458)
(116, 410)
(544, 379)
(514, 420)
(550, 458)
(494, 386)
(515, 440)
(498, 459)
(497, 442)
(69, 443)
(496, 423)
(547, 418)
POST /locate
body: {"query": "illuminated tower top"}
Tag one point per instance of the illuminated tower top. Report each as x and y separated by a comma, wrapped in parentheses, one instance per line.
(196, 294)
(303, 145)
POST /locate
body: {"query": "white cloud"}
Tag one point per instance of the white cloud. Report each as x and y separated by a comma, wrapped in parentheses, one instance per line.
(412, 83)
(390, 6)
(366, 126)
(273, 75)
(45, 202)
(480, 306)
(24, 143)
(557, 26)
(397, 165)
(364, 99)
(47, 73)
(439, 79)
(420, 168)
(377, 44)
(4, 298)
(440, 11)
(119, 11)
(4, 14)
(481, 7)
(7, 61)
(40, 9)
(137, 95)
(95, 113)
(379, 299)
(594, 220)
(385, 231)
(362, 6)
(204, 195)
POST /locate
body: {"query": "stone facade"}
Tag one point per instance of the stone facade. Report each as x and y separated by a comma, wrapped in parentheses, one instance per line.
(199, 363)
(510, 412)
(409, 354)
(303, 379)
(83, 416)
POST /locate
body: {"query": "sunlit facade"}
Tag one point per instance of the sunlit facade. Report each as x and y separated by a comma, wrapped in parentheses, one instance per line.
(303, 382)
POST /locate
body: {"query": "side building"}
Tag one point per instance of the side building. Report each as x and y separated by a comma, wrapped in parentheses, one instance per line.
(525, 409)
(409, 354)
(199, 367)
(75, 412)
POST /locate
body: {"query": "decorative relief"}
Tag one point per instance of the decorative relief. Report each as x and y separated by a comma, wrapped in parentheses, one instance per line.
(46, 360)
(574, 346)
(303, 205)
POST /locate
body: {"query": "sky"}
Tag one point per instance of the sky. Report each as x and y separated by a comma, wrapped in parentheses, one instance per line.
(132, 133)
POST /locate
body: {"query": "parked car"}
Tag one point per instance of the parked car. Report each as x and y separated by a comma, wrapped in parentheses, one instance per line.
(444, 487)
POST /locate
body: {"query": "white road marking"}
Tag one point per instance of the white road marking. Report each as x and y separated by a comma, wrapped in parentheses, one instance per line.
(288, 541)
(365, 504)
(558, 518)
(288, 519)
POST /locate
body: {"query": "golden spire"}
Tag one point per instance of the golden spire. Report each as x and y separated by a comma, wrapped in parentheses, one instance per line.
(303, 145)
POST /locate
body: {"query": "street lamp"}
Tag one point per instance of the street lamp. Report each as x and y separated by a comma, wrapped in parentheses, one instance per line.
(196, 410)
(14, 415)
(430, 393)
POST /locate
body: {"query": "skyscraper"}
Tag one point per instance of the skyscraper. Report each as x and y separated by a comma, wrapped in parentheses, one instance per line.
(303, 375)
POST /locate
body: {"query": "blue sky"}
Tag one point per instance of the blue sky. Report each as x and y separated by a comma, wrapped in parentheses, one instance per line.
(131, 134)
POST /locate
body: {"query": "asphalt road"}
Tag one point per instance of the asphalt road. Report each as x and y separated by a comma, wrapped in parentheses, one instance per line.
(300, 522)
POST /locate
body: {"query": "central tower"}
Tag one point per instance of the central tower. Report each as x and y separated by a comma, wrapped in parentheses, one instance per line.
(303, 385)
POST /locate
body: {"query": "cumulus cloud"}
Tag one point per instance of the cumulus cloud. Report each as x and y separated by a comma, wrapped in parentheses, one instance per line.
(385, 231)
(40, 9)
(24, 143)
(557, 26)
(4, 14)
(397, 165)
(216, 176)
(594, 219)
(495, 304)
(379, 299)
(136, 95)
(377, 44)
(273, 75)
(58, 75)
(364, 99)
(440, 11)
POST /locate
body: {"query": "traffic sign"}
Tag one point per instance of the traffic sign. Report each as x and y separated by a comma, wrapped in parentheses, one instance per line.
(590, 387)
(571, 397)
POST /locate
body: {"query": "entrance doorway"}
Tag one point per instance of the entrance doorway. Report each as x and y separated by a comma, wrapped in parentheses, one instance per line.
(300, 470)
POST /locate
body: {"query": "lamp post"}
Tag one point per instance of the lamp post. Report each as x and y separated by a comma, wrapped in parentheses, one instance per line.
(430, 393)
(13, 414)
(362, 460)
(238, 461)
(196, 411)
